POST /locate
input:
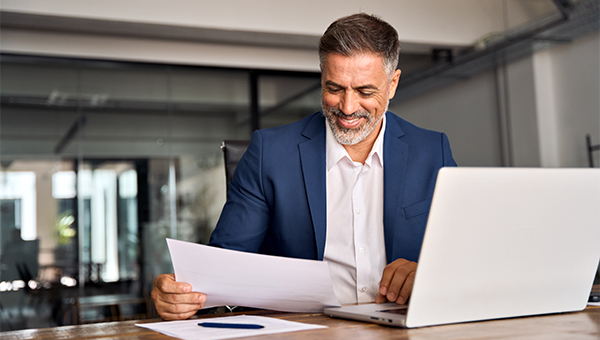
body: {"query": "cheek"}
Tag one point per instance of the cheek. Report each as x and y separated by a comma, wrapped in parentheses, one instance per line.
(378, 105)
(373, 106)
(330, 100)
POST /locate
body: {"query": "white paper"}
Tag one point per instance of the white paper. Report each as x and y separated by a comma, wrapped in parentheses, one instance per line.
(237, 278)
(189, 329)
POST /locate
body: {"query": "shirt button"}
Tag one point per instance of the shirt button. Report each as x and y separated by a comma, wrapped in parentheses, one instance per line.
(363, 289)
(362, 250)
(358, 211)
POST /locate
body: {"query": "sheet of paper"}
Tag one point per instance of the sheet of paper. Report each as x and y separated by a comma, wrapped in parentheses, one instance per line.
(237, 278)
(189, 329)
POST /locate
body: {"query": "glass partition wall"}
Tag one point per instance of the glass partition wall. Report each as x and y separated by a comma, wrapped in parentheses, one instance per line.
(101, 161)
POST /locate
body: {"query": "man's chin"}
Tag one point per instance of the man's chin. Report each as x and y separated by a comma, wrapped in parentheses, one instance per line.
(344, 135)
(348, 139)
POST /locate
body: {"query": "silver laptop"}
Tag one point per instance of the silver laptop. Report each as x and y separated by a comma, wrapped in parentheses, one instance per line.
(501, 243)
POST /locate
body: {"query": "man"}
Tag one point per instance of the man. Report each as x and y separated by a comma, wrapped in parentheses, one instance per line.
(351, 185)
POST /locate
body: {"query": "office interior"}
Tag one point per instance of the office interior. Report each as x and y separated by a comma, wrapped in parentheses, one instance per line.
(112, 115)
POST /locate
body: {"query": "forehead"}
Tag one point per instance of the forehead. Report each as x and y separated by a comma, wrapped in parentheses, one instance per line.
(357, 68)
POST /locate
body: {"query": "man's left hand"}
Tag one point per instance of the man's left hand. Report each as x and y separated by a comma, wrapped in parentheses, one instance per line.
(397, 282)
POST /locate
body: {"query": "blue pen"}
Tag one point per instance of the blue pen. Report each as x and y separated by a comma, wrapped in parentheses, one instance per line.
(230, 325)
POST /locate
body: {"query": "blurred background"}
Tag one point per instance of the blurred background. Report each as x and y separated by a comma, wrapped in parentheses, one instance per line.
(112, 114)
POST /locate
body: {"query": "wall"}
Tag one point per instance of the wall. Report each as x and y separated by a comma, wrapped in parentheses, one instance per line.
(552, 104)
(568, 89)
(466, 112)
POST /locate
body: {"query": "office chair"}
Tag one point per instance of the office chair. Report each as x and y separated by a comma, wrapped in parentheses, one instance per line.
(590, 149)
(233, 150)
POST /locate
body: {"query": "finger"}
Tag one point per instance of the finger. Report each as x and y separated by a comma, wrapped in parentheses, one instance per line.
(393, 292)
(178, 311)
(167, 316)
(400, 276)
(170, 307)
(166, 284)
(406, 289)
(193, 298)
(380, 298)
(386, 277)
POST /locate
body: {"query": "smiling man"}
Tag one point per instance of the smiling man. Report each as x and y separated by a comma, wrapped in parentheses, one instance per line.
(351, 185)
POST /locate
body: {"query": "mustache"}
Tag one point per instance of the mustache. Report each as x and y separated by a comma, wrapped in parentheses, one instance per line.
(355, 114)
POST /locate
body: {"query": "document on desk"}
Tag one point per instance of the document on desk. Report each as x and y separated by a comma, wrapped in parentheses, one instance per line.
(190, 329)
(235, 278)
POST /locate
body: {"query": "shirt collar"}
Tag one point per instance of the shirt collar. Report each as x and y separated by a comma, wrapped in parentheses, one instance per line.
(336, 151)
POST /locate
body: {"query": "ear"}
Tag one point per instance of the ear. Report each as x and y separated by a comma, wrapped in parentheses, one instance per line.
(394, 83)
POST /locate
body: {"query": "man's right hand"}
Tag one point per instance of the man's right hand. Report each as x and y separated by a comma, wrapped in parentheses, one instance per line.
(175, 300)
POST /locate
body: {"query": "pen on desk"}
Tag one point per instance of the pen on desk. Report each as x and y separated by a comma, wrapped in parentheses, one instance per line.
(230, 325)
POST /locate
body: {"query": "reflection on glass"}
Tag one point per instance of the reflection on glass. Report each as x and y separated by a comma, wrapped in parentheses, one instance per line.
(284, 99)
(19, 187)
(128, 225)
(113, 158)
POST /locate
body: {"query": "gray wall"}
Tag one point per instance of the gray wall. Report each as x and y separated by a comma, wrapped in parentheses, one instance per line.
(552, 104)
(466, 112)
(576, 95)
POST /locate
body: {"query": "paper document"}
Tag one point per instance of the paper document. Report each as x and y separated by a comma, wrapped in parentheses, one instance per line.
(189, 329)
(236, 278)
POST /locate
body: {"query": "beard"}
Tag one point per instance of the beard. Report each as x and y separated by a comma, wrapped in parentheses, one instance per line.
(347, 136)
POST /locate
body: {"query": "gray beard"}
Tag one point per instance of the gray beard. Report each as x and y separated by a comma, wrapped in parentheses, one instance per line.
(347, 136)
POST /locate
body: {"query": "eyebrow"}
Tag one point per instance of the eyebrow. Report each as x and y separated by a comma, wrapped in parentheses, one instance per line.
(361, 87)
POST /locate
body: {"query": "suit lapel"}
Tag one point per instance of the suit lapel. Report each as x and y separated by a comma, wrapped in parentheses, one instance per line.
(395, 157)
(312, 158)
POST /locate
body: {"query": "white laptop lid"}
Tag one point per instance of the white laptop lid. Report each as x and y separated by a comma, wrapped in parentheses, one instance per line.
(507, 242)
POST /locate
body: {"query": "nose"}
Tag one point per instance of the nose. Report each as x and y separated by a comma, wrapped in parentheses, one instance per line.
(348, 103)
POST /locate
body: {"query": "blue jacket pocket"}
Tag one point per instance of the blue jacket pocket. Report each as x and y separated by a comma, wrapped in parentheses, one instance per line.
(417, 209)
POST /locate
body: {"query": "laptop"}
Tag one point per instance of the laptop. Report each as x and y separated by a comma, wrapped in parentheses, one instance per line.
(501, 243)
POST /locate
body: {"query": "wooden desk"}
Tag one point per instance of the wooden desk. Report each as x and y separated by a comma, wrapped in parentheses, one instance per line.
(581, 325)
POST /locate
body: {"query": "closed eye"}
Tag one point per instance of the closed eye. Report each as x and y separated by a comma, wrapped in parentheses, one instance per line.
(367, 90)
(366, 94)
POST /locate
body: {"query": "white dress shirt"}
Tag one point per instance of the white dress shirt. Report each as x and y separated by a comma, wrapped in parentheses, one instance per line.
(354, 245)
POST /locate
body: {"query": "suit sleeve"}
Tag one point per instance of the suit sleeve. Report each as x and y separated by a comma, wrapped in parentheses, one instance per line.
(246, 215)
(448, 160)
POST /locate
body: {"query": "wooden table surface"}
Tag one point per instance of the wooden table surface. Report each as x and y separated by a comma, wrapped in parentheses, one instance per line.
(579, 325)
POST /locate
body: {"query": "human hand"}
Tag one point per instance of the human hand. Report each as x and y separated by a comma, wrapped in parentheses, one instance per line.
(397, 282)
(175, 300)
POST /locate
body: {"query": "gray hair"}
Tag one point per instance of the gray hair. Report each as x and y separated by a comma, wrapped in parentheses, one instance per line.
(360, 33)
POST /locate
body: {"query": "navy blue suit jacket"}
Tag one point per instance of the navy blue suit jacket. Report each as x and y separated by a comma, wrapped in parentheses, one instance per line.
(277, 201)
